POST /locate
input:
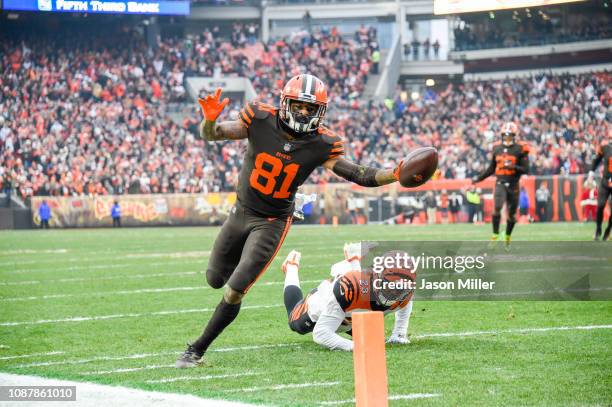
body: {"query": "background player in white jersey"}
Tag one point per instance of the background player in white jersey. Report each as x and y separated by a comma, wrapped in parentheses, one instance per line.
(327, 309)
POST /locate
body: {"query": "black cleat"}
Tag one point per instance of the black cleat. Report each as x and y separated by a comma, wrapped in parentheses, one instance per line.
(606, 234)
(596, 237)
(189, 358)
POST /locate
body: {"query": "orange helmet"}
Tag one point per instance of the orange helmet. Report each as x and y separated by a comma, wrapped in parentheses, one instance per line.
(303, 88)
(509, 130)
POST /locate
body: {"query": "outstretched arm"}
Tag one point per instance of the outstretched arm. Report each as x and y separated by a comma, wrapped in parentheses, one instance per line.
(324, 332)
(228, 130)
(489, 171)
(361, 174)
(210, 130)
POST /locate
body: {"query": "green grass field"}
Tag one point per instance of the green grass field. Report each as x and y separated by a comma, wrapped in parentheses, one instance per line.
(119, 306)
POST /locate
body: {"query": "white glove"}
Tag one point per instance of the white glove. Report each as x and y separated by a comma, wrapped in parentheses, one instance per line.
(352, 251)
(292, 260)
(591, 174)
(398, 339)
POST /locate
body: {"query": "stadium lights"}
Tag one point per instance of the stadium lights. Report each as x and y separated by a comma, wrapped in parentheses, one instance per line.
(415, 95)
(430, 82)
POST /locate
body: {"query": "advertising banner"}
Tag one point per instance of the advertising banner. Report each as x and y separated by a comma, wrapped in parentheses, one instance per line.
(341, 203)
(137, 210)
(154, 7)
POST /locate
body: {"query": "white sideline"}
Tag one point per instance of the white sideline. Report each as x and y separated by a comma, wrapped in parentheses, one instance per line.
(412, 396)
(131, 315)
(206, 377)
(95, 395)
(137, 291)
(147, 355)
(31, 355)
(282, 387)
(122, 277)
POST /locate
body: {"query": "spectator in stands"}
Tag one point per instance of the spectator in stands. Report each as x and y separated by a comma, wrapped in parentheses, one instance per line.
(116, 214)
(375, 59)
(44, 213)
(426, 46)
(436, 48)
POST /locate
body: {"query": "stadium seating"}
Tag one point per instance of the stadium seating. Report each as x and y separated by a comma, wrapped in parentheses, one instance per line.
(92, 119)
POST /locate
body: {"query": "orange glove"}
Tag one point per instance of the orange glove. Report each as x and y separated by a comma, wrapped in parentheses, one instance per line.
(212, 105)
(396, 171)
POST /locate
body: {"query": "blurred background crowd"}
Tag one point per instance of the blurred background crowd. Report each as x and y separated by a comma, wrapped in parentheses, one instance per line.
(82, 113)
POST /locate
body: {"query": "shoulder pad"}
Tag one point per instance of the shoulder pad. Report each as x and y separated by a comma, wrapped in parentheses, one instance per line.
(524, 147)
(256, 111)
(329, 136)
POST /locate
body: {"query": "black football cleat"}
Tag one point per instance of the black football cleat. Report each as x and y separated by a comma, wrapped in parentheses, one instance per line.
(596, 237)
(189, 358)
(606, 235)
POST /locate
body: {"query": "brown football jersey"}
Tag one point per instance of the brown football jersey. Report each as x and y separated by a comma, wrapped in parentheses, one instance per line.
(508, 163)
(274, 164)
(604, 155)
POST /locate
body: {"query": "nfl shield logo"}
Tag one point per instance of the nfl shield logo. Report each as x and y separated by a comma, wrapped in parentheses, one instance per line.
(287, 147)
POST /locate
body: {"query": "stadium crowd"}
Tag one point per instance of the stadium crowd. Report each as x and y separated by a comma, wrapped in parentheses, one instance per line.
(538, 29)
(89, 117)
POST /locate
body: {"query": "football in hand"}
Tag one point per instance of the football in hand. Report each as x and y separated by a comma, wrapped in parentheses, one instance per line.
(418, 167)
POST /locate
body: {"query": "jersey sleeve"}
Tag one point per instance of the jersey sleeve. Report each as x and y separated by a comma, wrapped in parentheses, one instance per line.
(324, 332)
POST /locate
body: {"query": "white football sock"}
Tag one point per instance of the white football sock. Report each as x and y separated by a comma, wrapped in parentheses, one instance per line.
(291, 276)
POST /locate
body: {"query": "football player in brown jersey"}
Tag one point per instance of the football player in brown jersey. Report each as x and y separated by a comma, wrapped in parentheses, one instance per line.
(285, 145)
(604, 155)
(510, 160)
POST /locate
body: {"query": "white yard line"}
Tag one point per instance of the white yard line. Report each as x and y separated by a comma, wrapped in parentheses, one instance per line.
(127, 370)
(98, 266)
(412, 396)
(95, 395)
(129, 292)
(31, 355)
(32, 251)
(283, 387)
(146, 355)
(131, 315)
(206, 377)
(121, 277)
(512, 331)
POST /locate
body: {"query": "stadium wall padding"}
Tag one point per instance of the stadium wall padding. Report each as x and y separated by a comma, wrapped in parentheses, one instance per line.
(378, 204)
